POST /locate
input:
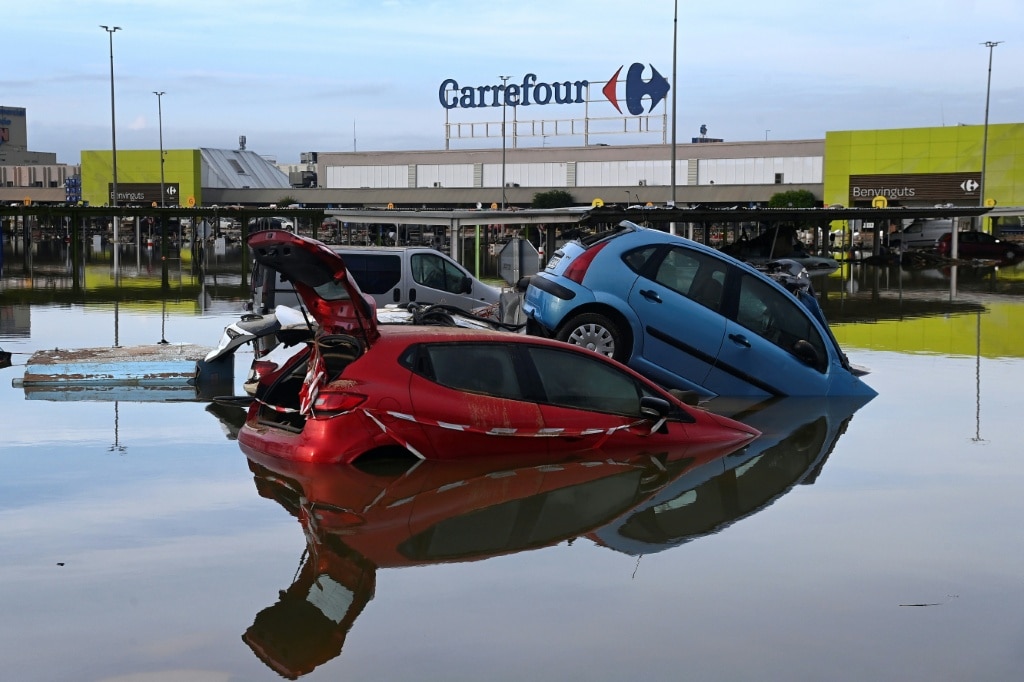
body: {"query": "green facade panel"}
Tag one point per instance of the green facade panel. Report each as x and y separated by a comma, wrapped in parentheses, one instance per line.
(182, 167)
(925, 151)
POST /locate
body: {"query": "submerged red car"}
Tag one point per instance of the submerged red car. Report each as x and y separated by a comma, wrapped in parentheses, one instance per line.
(361, 389)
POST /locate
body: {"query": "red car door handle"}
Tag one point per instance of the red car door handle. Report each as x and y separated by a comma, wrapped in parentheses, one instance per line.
(740, 339)
(650, 295)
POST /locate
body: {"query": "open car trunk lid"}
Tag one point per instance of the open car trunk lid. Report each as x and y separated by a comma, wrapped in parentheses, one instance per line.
(320, 277)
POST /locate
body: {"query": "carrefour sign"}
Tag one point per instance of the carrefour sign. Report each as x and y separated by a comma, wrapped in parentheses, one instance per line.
(531, 91)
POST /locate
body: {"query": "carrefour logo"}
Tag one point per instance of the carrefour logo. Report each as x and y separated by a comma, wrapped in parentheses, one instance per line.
(530, 91)
(656, 87)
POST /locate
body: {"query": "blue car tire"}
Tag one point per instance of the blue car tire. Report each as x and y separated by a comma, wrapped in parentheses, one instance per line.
(598, 333)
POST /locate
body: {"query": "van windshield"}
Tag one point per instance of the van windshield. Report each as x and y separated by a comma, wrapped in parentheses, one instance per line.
(332, 291)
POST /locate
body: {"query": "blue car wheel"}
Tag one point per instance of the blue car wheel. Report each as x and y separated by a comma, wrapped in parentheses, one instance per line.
(596, 332)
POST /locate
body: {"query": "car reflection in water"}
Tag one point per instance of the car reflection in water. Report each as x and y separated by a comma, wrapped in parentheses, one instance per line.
(358, 520)
(383, 515)
(799, 434)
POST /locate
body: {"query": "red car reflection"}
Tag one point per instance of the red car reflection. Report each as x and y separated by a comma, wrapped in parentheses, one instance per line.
(363, 390)
(357, 520)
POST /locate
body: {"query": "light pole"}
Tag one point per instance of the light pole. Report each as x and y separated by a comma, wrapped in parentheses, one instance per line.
(675, 41)
(504, 101)
(160, 119)
(113, 156)
(984, 144)
(113, 125)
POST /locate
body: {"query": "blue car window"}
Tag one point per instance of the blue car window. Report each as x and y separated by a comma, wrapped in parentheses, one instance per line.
(695, 275)
(577, 381)
(637, 259)
(777, 317)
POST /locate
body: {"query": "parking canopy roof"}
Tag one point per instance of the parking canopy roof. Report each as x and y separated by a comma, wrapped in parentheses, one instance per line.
(642, 214)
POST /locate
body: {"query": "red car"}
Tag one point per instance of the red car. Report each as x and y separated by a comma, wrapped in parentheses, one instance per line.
(981, 245)
(361, 389)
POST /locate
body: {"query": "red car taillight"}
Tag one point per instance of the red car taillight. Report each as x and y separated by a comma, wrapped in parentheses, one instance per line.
(578, 268)
(331, 403)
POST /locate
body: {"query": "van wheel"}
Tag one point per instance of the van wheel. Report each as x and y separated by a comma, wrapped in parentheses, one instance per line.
(596, 332)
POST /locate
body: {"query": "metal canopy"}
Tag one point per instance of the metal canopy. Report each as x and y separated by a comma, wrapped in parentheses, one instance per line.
(614, 214)
(458, 218)
(774, 215)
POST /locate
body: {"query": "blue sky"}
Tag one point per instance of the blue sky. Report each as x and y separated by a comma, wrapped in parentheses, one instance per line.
(338, 75)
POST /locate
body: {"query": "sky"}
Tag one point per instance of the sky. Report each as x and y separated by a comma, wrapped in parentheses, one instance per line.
(361, 75)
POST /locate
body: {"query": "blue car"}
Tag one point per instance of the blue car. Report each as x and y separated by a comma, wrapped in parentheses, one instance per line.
(688, 317)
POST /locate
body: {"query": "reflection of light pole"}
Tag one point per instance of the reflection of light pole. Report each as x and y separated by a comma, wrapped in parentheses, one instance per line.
(116, 447)
(160, 115)
(984, 144)
(504, 101)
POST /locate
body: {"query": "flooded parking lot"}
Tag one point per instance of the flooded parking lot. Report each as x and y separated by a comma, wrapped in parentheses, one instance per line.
(850, 542)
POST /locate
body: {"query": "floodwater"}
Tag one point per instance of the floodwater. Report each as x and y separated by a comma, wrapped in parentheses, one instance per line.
(879, 541)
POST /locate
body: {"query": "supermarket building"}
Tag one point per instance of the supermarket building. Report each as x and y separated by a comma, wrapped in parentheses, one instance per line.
(915, 167)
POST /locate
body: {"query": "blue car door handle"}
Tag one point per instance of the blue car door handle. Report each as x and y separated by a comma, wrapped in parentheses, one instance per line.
(740, 339)
(650, 295)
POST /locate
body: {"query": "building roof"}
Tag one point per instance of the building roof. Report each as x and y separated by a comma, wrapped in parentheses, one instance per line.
(240, 169)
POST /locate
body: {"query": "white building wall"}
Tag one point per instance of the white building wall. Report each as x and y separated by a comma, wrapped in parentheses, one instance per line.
(629, 173)
(450, 175)
(527, 174)
(760, 171)
(727, 171)
(354, 177)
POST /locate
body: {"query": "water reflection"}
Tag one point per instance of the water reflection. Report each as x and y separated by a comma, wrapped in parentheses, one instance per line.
(55, 271)
(798, 436)
(357, 521)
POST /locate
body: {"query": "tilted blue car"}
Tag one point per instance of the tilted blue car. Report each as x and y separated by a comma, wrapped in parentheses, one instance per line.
(688, 317)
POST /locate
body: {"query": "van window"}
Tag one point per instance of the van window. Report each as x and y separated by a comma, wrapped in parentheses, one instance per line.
(375, 273)
(435, 272)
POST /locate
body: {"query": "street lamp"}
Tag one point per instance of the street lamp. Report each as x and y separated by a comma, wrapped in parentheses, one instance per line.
(160, 115)
(504, 101)
(113, 143)
(984, 144)
(113, 125)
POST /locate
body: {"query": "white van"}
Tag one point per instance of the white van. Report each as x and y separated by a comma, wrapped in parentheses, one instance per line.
(395, 275)
(921, 234)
